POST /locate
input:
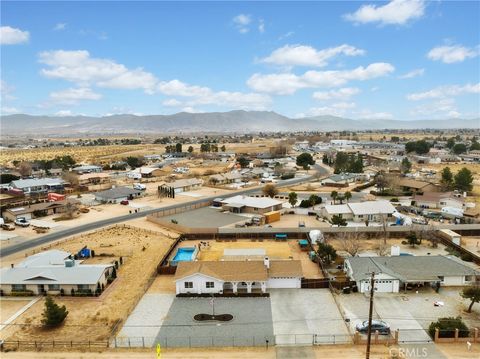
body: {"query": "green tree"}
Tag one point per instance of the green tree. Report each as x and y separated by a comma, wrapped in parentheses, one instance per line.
(347, 195)
(447, 326)
(190, 149)
(406, 165)
(412, 239)
(459, 148)
(475, 146)
(270, 190)
(464, 179)
(292, 198)
(135, 162)
(334, 196)
(451, 142)
(420, 147)
(53, 315)
(326, 253)
(447, 178)
(338, 220)
(243, 162)
(178, 147)
(314, 199)
(305, 160)
(223, 148)
(472, 293)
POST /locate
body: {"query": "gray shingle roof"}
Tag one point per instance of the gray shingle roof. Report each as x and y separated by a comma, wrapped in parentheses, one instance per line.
(409, 268)
(34, 182)
(117, 192)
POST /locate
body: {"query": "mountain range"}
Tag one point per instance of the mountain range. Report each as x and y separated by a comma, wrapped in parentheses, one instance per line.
(213, 122)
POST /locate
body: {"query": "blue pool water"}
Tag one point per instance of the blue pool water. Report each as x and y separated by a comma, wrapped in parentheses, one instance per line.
(183, 255)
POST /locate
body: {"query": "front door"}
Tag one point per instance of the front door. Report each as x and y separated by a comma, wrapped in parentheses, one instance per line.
(41, 289)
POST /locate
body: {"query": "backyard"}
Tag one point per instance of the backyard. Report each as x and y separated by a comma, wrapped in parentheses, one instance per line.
(94, 318)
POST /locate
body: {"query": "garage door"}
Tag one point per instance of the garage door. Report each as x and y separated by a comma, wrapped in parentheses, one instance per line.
(283, 283)
(382, 286)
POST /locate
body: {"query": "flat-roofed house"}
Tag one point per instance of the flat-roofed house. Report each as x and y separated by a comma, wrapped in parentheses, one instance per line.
(254, 205)
(37, 210)
(54, 272)
(439, 200)
(34, 186)
(373, 211)
(185, 185)
(396, 272)
(200, 277)
(117, 194)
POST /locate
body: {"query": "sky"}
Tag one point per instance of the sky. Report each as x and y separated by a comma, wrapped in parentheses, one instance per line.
(399, 59)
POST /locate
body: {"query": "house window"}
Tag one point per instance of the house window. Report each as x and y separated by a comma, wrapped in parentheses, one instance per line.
(188, 285)
(210, 284)
(469, 278)
(82, 287)
(53, 287)
(360, 216)
(18, 287)
(441, 278)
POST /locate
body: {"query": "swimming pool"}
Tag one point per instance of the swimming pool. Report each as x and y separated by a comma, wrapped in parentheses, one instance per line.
(184, 254)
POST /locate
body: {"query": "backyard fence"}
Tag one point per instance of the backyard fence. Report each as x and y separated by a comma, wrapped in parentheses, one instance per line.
(53, 345)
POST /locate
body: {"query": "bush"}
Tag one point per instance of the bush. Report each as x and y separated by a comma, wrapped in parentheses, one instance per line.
(305, 204)
(24, 293)
(447, 327)
(467, 257)
(53, 314)
(287, 176)
(394, 199)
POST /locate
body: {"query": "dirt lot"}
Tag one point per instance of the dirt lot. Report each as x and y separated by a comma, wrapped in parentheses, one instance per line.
(9, 306)
(472, 244)
(292, 221)
(94, 318)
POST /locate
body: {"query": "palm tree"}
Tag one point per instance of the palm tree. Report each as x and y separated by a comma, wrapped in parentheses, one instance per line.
(347, 195)
(334, 196)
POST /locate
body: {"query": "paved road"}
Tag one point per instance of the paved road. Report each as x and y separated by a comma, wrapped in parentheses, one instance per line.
(106, 222)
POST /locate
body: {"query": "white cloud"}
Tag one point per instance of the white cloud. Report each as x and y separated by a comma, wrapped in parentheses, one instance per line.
(302, 55)
(190, 109)
(289, 83)
(242, 23)
(367, 114)
(6, 91)
(60, 26)
(12, 36)
(172, 102)
(286, 35)
(445, 91)
(261, 26)
(412, 74)
(442, 108)
(62, 113)
(197, 95)
(342, 93)
(8, 110)
(450, 54)
(78, 67)
(396, 12)
(73, 95)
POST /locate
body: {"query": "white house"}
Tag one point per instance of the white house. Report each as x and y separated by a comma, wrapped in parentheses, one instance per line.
(396, 272)
(254, 205)
(439, 200)
(117, 194)
(237, 276)
(340, 180)
(53, 272)
(373, 211)
(38, 185)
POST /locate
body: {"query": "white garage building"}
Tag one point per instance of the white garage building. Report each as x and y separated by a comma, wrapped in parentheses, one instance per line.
(237, 276)
(394, 273)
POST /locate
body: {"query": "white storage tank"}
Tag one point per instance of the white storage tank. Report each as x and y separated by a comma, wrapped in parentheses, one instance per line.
(395, 251)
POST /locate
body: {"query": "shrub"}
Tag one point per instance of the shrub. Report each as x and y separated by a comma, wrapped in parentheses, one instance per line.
(72, 292)
(394, 199)
(23, 293)
(287, 176)
(53, 314)
(447, 327)
(62, 292)
(305, 204)
(467, 257)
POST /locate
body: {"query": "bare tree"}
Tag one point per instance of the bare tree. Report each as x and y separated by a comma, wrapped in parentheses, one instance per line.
(382, 249)
(270, 190)
(384, 223)
(351, 243)
(25, 169)
(71, 177)
(71, 209)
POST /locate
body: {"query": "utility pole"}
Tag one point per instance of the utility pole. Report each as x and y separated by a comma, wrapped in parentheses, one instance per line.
(370, 313)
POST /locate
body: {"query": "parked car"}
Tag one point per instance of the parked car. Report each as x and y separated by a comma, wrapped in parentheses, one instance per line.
(139, 187)
(22, 222)
(8, 227)
(382, 327)
(124, 202)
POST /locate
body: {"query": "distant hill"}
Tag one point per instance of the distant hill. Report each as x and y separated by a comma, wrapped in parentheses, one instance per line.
(219, 122)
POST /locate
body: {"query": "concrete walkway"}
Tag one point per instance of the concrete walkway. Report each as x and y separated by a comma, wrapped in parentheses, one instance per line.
(19, 312)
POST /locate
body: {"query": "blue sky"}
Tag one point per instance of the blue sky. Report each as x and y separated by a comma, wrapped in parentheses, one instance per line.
(403, 59)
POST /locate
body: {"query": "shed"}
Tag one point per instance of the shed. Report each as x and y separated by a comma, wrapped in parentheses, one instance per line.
(272, 216)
